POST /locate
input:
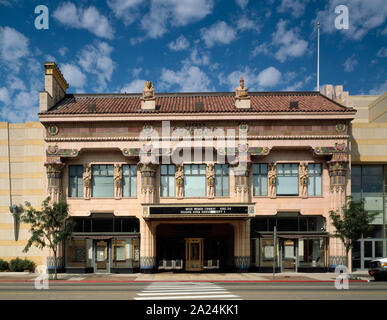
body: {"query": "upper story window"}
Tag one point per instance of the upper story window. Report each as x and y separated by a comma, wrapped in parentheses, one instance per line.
(102, 181)
(129, 180)
(76, 181)
(222, 180)
(287, 179)
(194, 180)
(314, 179)
(167, 180)
(260, 179)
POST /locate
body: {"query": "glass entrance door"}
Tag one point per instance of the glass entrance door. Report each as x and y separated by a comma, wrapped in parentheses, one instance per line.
(194, 254)
(288, 254)
(102, 256)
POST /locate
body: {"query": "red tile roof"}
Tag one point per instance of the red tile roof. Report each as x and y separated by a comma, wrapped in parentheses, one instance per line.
(185, 103)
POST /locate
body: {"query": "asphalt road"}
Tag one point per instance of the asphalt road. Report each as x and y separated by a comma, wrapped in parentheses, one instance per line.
(194, 291)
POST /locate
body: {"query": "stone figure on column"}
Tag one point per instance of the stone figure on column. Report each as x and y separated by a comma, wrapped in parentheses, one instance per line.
(148, 92)
(272, 177)
(179, 176)
(87, 181)
(241, 91)
(303, 176)
(117, 180)
(210, 180)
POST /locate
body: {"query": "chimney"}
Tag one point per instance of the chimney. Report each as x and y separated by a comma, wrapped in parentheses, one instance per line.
(55, 87)
(337, 94)
(148, 100)
(242, 99)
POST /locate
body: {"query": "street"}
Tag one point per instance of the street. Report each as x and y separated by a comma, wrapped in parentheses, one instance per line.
(194, 291)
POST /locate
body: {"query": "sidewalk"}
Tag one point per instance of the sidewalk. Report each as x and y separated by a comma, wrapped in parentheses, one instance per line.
(192, 277)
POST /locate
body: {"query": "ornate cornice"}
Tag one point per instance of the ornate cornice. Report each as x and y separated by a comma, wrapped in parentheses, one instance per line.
(309, 137)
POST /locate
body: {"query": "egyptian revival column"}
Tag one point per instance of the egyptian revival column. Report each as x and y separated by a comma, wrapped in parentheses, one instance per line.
(54, 183)
(338, 167)
(147, 256)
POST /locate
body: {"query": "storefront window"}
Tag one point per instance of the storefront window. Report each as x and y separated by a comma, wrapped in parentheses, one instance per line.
(76, 181)
(260, 179)
(311, 252)
(167, 180)
(287, 179)
(194, 180)
(129, 180)
(222, 180)
(102, 184)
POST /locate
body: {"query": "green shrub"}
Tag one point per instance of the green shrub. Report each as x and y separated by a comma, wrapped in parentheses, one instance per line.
(19, 265)
(3, 265)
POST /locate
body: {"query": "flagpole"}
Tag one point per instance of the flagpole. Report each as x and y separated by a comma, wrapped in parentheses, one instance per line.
(318, 56)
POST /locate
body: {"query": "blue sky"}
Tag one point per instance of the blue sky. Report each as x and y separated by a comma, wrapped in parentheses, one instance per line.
(188, 45)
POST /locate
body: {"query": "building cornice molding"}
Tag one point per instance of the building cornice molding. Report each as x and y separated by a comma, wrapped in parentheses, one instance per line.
(87, 139)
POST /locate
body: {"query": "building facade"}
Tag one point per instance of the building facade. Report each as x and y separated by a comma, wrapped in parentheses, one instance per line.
(196, 181)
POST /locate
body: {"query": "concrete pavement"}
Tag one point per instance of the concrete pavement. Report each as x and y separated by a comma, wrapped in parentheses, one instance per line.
(199, 277)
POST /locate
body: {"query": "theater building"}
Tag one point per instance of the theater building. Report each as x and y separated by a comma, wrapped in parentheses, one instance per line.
(196, 181)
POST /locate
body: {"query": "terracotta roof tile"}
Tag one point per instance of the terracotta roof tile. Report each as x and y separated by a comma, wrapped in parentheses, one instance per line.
(185, 103)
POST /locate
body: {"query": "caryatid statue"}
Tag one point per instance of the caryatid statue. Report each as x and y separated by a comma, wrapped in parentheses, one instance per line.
(148, 93)
(117, 180)
(179, 176)
(86, 181)
(241, 91)
(210, 180)
(272, 177)
(303, 175)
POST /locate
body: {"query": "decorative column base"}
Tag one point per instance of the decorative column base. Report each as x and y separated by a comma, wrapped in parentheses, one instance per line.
(148, 264)
(242, 263)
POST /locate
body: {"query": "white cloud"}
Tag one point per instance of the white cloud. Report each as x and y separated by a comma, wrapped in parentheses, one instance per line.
(62, 51)
(350, 64)
(13, 45)
(269, 77)
(381, 89)
(4, 95)
(73, 75)
(135, 86)
(289, 42)
(96, 59)
(198, 57)
(163, 13)
(254, 80)
(136, 72)
(188, 79)
(90, 19)
(181, 43)
(127, 10)
(242, 3)
(244, 23)
(218, 33)
(262, 48)
(363, 17)
(295, 7)
(382, 53)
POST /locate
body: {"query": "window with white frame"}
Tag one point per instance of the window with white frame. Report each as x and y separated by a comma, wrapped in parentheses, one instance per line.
(129, 180)
(102, 184)
(314, 179)
(260, 179)
(222, 180)
(167, 180)
(194, 180)
(287, 179)
(76, 181)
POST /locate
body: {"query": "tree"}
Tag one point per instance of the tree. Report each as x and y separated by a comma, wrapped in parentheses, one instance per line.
(49, 227)
(352, 223)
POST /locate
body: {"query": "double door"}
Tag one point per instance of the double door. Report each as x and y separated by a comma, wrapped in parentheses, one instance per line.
(194, 254)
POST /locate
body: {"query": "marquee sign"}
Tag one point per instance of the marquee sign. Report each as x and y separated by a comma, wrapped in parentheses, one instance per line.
(198, 210)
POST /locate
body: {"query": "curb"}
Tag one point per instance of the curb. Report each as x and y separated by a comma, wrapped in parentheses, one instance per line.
(151, 281)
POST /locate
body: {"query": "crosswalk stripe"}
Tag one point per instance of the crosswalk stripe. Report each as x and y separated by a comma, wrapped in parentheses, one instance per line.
(184, 290)
(178, 293)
